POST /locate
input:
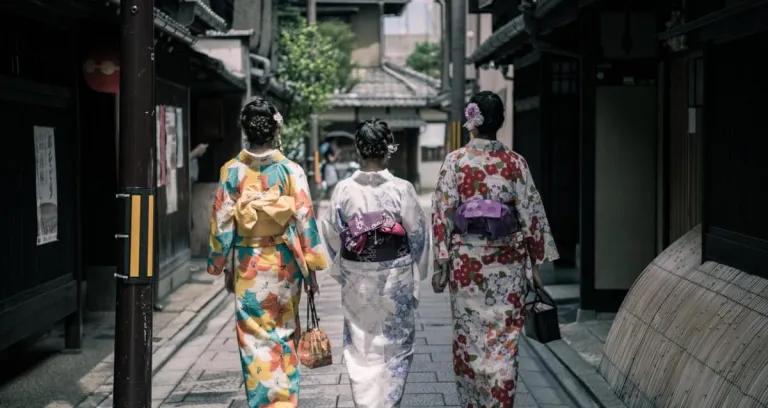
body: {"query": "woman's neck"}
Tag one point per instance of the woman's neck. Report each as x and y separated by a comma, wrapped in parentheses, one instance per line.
(259, 149)
(372, 165)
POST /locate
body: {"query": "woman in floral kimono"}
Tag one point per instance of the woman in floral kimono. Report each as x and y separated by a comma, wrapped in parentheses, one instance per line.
(491, 235)
(379, 236)
(263, 209)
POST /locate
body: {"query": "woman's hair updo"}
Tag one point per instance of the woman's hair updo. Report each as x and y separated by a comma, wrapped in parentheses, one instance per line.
(260, 121)
(374, 139)
(492, 109)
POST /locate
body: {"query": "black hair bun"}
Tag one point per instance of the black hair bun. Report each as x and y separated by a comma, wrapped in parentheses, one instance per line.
(258, 121)
(492, 108)
(373, 138)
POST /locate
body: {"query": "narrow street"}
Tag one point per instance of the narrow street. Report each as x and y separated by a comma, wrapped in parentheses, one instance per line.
(206, 371)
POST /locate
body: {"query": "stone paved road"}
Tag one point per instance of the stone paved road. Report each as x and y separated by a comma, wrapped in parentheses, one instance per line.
(206, 372)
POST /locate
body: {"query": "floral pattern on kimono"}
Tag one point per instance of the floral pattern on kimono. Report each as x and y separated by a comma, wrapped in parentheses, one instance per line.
(379, 298)
(488, 277)
(263, 210)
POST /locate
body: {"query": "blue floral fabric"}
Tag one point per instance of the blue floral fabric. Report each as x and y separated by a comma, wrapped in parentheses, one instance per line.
(379, 298)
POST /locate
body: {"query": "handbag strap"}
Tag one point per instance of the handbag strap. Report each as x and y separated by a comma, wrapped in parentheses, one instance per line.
(540, 296)
(313, 322)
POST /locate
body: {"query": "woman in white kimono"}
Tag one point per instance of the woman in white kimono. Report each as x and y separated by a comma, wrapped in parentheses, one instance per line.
(379, 237)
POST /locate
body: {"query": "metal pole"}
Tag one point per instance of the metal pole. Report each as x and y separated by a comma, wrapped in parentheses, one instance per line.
(315, 178)
(312, 11)
(313, 170)
(445, 53)
(133, 321)
(458, 56)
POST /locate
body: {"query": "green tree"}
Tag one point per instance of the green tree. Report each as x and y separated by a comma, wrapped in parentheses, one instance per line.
(342, 35)
(313, 61)
(425, 58)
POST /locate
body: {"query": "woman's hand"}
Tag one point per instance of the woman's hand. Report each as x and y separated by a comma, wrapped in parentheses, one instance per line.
(440, 277)
(313, 286)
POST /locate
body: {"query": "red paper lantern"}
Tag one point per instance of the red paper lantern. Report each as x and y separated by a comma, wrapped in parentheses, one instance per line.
(101, 70)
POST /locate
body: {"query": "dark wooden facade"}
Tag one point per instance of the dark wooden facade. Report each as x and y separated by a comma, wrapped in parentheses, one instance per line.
(709, 108)
(42, 49)
(38, 87)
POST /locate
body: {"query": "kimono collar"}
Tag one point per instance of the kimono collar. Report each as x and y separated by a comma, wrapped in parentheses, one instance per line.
(372, 178)
(262, 159)
(486, 145)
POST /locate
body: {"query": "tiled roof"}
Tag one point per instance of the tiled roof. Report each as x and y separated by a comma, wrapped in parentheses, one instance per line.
(386, 87)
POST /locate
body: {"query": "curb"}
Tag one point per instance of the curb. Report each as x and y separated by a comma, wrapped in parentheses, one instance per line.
(168, 349)
(563, 376)
(586, 375)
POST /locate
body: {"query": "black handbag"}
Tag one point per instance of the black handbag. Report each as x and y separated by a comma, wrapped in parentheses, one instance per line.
(541, 319)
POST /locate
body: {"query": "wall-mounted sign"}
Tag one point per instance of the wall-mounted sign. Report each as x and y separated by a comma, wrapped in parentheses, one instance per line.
(45, 183)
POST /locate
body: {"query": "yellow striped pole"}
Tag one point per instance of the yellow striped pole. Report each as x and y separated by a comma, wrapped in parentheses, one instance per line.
(139, 248)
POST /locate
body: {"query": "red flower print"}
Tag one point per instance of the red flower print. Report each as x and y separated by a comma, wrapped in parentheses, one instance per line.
(483, 189)
(475, 266)
(466, 169)
(491, 169)
(509, 385)
(507, 173)
(488, 259)
(462, 276)
(514, 300)
(478, 175)
(462, 339)
(478, 279)
(466, 190)
(438, 230)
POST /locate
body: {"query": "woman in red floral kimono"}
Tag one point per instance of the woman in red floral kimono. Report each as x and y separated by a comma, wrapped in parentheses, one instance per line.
(487, 265)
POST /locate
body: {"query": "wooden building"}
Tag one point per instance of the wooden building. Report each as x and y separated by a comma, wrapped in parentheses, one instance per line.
(640, 117)
(59, 65)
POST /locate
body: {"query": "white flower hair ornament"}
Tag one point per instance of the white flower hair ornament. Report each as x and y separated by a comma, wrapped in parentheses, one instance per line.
(278, 118)
(474, 116)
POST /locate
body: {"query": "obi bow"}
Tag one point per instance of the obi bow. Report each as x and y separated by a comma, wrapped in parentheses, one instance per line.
(354, 236)
(488, 218)
(254, 204)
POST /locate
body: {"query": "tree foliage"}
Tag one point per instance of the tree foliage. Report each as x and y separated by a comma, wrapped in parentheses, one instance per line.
(425, 58)
(314, 61)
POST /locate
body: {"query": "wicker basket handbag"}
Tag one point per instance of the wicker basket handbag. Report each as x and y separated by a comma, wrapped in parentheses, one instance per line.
(314, 345)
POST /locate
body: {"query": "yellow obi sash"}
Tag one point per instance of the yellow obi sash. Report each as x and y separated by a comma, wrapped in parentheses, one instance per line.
(263, 214)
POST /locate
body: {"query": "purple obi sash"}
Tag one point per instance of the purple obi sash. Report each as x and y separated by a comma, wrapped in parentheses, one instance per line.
(355, 236)
(488, 218)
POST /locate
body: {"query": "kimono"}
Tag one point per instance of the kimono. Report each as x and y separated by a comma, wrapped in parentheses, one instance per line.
(263, 209)
(488, 275)
(378, 297)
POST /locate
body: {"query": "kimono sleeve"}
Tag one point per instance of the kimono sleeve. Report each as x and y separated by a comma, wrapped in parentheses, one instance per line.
(444, 203)
(306, 223)
(222, 219)
(539, 242)
(331, 225)
(416, 225)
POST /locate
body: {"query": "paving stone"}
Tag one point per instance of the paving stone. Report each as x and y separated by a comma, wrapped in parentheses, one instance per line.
(421, 400)
(210, 397)
(546, 395)
(417, 377)
(534, 378)
(327, 379)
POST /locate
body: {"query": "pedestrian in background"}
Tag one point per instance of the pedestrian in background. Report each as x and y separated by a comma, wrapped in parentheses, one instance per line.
(264, 210)
(491, 235)
(329, 171)
(379, 237)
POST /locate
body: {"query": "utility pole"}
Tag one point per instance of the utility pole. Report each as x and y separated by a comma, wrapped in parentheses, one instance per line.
(312, 11)
(458, 56)
(133, 321)
(313, 156)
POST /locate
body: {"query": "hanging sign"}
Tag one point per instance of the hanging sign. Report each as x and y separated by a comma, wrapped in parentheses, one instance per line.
(101, 70)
